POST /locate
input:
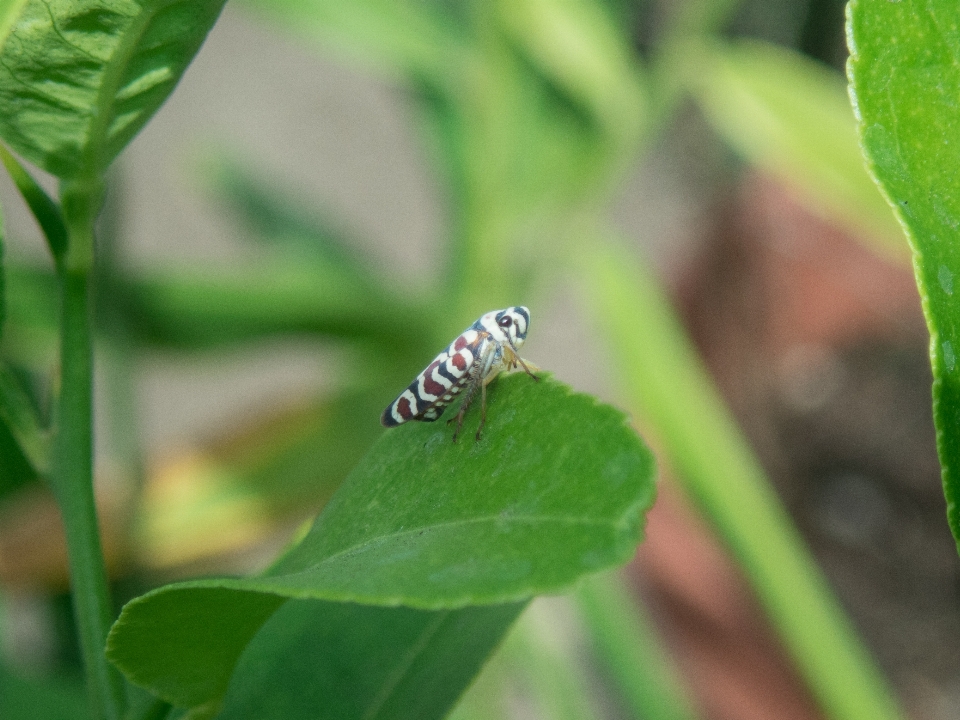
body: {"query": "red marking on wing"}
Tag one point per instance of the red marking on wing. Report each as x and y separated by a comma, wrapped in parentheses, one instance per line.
(459, 362)
(403, 408)
(431, 385)
(460, 343)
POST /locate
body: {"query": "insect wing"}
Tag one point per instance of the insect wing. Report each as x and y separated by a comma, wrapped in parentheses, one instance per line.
(439, 383)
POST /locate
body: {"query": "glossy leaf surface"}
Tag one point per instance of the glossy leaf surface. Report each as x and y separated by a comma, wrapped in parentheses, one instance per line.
(905, 80)
(79, 78)
(556, 489)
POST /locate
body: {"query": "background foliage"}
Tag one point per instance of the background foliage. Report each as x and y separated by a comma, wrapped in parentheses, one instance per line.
(532, 115)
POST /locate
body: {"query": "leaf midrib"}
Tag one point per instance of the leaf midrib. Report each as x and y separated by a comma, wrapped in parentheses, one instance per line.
(392, 682)
(103, 113)
(527, 519)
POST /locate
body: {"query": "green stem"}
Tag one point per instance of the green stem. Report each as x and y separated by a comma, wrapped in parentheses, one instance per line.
(73, 484)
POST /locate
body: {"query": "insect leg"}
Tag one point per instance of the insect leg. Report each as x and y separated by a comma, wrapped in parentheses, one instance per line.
(483, 409)
(464, 406)
(517, 359)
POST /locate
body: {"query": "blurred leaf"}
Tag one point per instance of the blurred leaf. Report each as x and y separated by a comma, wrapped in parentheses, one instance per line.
(298, 460)
(28, 699)
(542, 651)
(19, 413)
(556, 489)
(491, 691)
(663, 379)
(3, 277)
(576, 44)
(15, 470)
(275, 220)
(79, 78)
(525, 159)
(206, 307)
(402, 37)
(791, 116)
(625, 642)
(317, 660)
(905, 80)
(231, 495)
(45, 210)
(31, 334)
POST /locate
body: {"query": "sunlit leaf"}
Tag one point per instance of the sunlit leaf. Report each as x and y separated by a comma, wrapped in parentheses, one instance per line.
(556, 489)
(905, 80)
(9, 13)
(400, 37)
(79, 78)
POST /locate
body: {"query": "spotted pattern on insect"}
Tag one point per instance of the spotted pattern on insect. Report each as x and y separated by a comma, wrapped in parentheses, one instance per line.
(468, 364)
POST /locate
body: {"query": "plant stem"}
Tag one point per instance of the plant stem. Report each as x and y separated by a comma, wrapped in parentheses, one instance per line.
(73, 483)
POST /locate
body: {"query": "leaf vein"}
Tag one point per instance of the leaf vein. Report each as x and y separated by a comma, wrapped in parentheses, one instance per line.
(531, 519)
(393, 681)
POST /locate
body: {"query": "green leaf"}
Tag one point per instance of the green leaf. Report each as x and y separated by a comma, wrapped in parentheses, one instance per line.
(79, 78)
(9, 14)
(400, 37)
(545, 667)
(577, 45)
(15, 470)
(297, 459)
(317, 660)
(905, 78)
(791, 116)
(44, 209)
(196, 308)
(3, 278)
(625, 642)
(556, 489)
(30, 336)
(29, 699)
(19, 414)
(266, 210)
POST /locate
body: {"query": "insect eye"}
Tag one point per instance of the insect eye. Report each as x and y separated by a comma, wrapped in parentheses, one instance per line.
(505, 321)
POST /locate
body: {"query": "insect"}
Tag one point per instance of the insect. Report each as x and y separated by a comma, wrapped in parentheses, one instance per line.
(468, 364)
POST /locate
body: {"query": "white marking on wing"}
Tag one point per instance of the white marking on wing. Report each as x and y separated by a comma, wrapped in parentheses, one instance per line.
(422, 390)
